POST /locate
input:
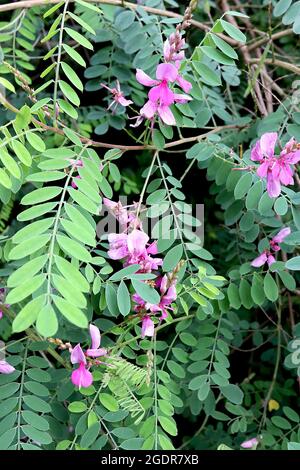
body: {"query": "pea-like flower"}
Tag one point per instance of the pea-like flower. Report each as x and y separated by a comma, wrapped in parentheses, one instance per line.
(161, 97)
(276, 170)
(82, 377)
(267, 256)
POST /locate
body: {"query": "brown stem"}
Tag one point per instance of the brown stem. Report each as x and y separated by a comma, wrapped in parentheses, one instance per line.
(273, 37)
(95, 143)
(279, 63)
(132, 6)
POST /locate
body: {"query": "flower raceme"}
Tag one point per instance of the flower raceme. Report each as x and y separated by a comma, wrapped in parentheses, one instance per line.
(133, 247)
(267, 256)
(277, 170)
(82, 377)
(161, 97)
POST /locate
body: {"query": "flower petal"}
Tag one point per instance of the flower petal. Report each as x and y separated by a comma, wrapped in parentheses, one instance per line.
(260, 260)
(123, 101)
(95, 336)
(166, 115)
(273, 185)
(96, 352)
(268, 142)
(77, 355)
(271, 260)
(166, 72)
(137, 242)
(6, 368)
(147, 327)
(82, 377)
(161, 94)
(148, 110)
(281, 235)
(184, 84)
(144, 79)
(250, 443)
(181, 98)
(263, 168)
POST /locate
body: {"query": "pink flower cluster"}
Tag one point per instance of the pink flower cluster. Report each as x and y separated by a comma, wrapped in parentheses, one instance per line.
(82, 377)
(133, 247)
(161, 97)
(277, 170)
(267, 256)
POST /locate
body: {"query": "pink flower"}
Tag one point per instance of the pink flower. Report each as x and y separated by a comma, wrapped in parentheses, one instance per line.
(118, 245)
(6, 368)
(168, 295)
(266, 255)
(276, 170)
(250, 443)
(161, 96)
(118, 96)
(82, 377)
(262, 259)
(133, 248)
(95, 350)
(279, 238)
(117, 209)
(147, 327)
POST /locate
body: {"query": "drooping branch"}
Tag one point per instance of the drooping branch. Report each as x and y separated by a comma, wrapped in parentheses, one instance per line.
(132, 6)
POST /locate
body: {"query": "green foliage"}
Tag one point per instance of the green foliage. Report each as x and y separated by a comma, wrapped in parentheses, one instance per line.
(223, 364)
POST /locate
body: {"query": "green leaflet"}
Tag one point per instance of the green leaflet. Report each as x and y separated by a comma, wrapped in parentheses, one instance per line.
(72, 274)
(25, 289)
(46, 323)
(73, 314)
(29, 246)
(41, 195)
(30, 230)
(73, 248)
(27, 316)
(68, 291)
(28, 269)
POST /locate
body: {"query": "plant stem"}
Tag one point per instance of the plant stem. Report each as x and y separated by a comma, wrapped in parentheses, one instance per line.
(21, 398)
(60, 41)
